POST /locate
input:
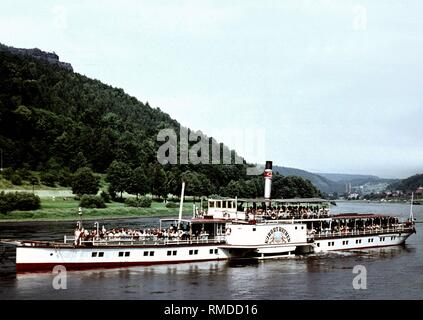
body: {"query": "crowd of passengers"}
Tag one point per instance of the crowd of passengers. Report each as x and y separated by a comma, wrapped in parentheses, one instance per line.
(284, 212)
(343, 228)
(171, 233)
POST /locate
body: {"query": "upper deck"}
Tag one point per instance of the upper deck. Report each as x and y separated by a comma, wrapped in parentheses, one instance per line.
(258, 208)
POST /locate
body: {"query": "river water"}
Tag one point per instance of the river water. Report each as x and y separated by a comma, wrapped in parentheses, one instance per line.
(392, 273)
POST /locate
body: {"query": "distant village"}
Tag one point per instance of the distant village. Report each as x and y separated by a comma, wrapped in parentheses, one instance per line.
(379, 192)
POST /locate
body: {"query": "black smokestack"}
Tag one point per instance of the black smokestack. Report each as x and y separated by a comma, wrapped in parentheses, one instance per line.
(269, 165)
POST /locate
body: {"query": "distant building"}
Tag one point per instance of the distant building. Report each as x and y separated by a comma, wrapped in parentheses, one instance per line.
(419, 191)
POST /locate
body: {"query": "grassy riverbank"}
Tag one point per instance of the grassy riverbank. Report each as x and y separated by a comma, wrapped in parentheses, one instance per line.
(61, 210)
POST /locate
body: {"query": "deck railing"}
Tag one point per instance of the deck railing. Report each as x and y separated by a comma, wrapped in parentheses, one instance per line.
(375, 231)
(121, 241)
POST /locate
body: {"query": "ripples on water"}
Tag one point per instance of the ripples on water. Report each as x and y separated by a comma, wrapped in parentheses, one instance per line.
(393, 273)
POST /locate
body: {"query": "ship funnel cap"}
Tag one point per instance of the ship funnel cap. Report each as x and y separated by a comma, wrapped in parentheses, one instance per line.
(269, 165)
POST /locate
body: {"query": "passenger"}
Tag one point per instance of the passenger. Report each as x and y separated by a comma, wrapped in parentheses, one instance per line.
(77, 235)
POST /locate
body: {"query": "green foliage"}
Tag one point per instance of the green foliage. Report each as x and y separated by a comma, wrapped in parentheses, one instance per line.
(48, 178)
(7, 173)
(138, 183)
(409, 184)
(172, 205)
(118, 176)
(106, 197)
(65, 178)
(34, 180)
(46, 110)
(85, 182)
(18, 201)
(90, 201)
(16, 179)
(142, 202)
(78, 162)
(158, 181)
(282, 187)
(293, 187)
(196, 184)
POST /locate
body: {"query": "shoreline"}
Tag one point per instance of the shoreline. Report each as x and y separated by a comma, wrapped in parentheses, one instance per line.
(100, 218)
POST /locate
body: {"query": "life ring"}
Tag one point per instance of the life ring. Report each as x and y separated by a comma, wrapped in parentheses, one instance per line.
(228, 231)
(225, 214)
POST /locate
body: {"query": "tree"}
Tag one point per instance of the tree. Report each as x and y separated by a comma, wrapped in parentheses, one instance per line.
(48, 178)
(158, 181)
(197, 184)
(85, 182)
(293, 187)
(118, 175)
(78, 162)
(138, 182)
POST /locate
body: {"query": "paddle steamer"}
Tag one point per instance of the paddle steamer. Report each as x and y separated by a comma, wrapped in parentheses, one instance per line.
(229, 229)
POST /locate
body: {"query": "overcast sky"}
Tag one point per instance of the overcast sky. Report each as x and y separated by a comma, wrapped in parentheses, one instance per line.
(325, 86)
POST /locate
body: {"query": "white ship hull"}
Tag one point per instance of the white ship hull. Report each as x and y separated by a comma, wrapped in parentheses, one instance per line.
(45, 258)
(360, 242)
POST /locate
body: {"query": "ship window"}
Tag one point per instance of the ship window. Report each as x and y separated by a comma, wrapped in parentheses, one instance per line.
(302, 228)
(120, 254)
(174, 253)
(215, 251)
(94, 254)
(151, 253)
(101, 254)
(229, 205)
(218, 204)
(211, 204)
(127, 254)
(224, 204)
(296, 228)
(195, 251)
(211, 251)
(169, 253)
(254, 229)
(145, 253)
(191, 252)
(318, 244)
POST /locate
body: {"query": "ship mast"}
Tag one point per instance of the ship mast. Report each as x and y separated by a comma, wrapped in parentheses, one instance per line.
(411, 207)
(181, 203)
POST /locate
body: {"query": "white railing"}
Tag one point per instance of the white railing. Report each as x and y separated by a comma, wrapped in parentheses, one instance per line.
(376, 231)
(138, 241)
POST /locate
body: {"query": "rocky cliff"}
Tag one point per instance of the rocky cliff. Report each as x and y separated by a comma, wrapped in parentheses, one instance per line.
(36, 53)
